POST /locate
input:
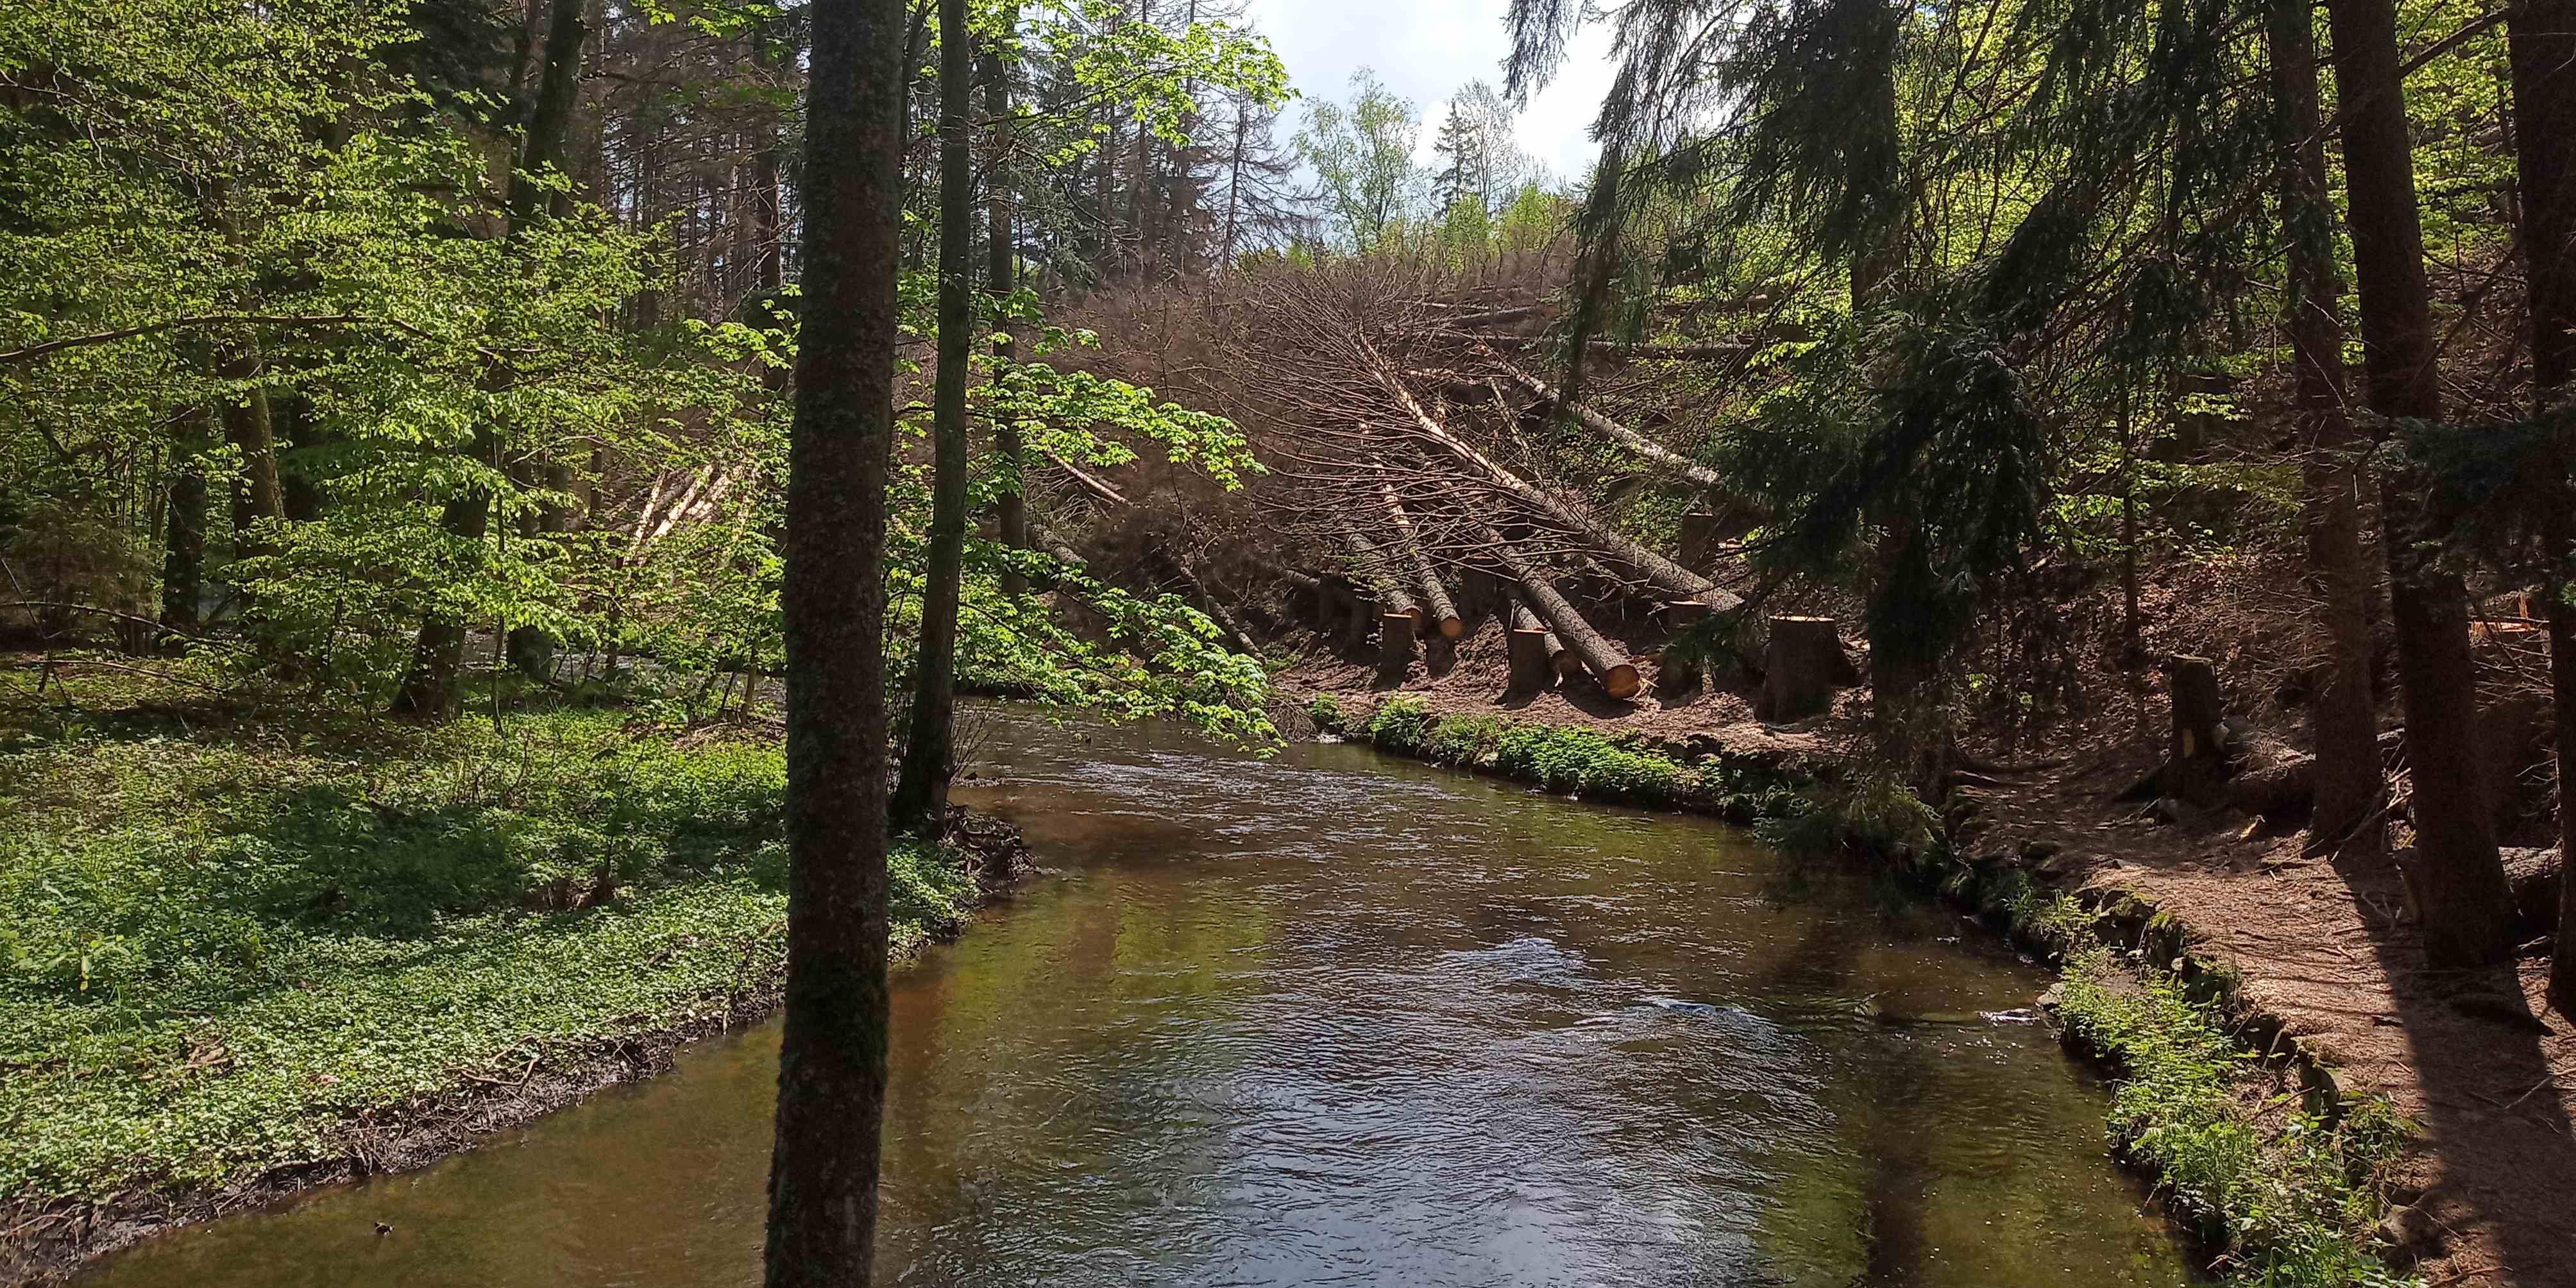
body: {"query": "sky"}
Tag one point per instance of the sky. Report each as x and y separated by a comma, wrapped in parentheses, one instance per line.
(1425, 50)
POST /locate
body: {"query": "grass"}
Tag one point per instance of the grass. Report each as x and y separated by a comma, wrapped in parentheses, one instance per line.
(225, 939)
(2295, 1203)
(1575, 761)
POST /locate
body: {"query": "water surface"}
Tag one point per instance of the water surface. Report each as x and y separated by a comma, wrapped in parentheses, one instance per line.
(1338, 1019)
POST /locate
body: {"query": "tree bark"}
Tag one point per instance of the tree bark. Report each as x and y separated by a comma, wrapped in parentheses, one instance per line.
(1607, 663)
(1010, 509)
(1435, 597)
(1531, 653)
(832, 1043)
(2541, 41)
(183, 564)
(929, 754)
(1395, 632)
(2347, 774)
(256, 494)
(1801, 667)
(1552, 651)
(2454, 874)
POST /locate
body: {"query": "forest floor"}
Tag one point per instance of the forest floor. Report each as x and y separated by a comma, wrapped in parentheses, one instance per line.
(251, 947)
(2486, 1193)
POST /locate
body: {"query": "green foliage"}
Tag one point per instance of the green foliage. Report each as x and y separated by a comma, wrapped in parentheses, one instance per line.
(1564, 759)
(2295, 1206)
(1362, 156)
(1327, 714)
(1871, 809)
(218, 950)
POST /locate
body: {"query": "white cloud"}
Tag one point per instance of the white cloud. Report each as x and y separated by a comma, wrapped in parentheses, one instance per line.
(1425, 50)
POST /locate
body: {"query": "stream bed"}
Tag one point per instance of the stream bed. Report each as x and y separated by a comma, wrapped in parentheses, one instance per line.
(1332, 1018)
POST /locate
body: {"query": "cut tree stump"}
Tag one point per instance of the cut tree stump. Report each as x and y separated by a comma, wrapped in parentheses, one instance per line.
(1802, 667)
(1608, 665)
(1395, 632)
(1533, 664)
(1676, 673)
(1698, 540)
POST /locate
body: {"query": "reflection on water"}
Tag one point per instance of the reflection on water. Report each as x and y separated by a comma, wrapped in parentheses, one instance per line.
(1333, 1018)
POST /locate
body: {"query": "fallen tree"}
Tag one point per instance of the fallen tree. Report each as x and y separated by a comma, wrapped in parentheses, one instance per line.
(1608, 666)
(1656, 454)
(1659, 572)
(1444, 610)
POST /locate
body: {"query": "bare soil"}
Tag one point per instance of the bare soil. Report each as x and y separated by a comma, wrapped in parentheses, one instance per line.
(2487, 1192)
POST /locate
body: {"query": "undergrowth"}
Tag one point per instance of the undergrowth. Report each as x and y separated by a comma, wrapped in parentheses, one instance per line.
(223, 941)
(2294, 1205)
(1574, 761)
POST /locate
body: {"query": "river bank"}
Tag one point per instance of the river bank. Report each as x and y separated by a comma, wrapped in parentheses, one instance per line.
(2311, 1127)
(249, 955)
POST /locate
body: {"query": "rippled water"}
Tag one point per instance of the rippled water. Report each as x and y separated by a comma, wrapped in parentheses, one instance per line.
(1334, 1018)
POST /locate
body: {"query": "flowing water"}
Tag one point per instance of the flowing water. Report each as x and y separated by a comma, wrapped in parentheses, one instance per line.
(1338, 1018)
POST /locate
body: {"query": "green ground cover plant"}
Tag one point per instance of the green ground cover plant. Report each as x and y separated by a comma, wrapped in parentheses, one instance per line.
(226, 940)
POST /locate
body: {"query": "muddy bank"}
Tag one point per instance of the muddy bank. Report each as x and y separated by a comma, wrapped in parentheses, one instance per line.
(46, 1241)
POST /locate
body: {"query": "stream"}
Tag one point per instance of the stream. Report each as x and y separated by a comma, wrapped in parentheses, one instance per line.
(1335, 1017)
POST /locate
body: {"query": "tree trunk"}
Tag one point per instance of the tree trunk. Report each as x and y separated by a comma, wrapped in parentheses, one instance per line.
(1395, 632)
(2347, 775)
(1801, 667)
(2456, 880)
(1435, 597)
(1661, 573)
(1010, 509)
(1607, 663)
(2541, 37)
(1369, 567)
(432, 688)
(929, 754)
(256, 495)
(1532, 651)
(183, 565)
(832, 1040)
(1653, 453)
(1551, 650)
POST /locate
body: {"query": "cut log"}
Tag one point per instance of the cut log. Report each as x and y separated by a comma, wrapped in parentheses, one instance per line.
(1395, 632)
(1435, 597)
(1801, 669)
(1096, 486)
(1495, 317)
(1661, 573)
(2285, 788)
(1369, 567)
(1656, 454)
(1607, 664)
(1559, 658)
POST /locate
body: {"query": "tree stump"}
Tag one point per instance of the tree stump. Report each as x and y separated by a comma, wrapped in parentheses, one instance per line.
(1533, 664)
(1395, 632)
(1802, 667)
(2197, 718)
(1679, 672)
(1698, 539)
